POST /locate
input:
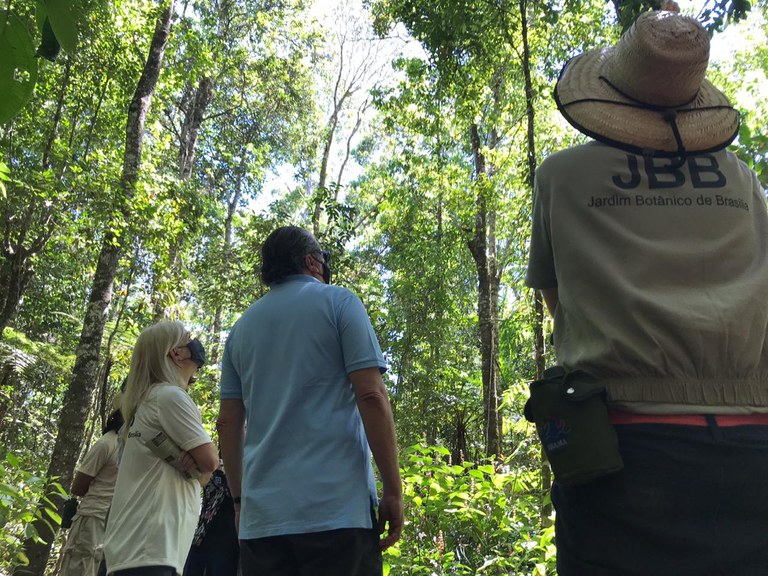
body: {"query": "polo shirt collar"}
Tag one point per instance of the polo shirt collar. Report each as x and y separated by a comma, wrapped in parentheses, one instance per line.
(303, 278)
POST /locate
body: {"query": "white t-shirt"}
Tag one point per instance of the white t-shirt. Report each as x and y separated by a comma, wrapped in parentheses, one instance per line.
(101, 463)
(155, 508)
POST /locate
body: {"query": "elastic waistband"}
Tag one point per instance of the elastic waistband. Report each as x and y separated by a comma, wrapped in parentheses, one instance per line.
(722, 420)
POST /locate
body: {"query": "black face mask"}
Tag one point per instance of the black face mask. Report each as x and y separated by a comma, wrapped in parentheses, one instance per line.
(326, 268)
(197, 352)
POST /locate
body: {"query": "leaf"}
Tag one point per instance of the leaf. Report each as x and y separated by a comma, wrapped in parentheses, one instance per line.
(63, 17)
(12, 459)
(49, 46)
(18, 67)
(29, 531)
(54, 516)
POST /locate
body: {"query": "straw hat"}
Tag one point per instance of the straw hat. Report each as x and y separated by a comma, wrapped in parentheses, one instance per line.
(647, 94)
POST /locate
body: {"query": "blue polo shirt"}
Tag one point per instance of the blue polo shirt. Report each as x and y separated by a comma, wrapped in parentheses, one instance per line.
(306, 460)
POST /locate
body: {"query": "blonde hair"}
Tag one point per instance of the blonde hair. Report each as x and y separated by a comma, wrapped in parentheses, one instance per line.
(150, 365)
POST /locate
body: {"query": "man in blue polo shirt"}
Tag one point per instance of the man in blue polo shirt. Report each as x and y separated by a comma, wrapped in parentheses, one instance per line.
(302, 365)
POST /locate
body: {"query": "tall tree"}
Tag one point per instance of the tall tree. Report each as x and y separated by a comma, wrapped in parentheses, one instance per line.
(473, 77)
(77, 398)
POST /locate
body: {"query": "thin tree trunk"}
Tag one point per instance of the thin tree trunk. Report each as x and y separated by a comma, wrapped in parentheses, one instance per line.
(77, 398)
(194, 114)
(57, 115)
(483, 249)
(190, 129)
(538, 308)
(17, 270)
(232, 205)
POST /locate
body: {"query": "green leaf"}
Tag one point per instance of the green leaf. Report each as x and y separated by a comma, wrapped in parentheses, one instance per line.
(12, 460)
(49, 46)
(18, 67)
(62, 15)
(29, 531)
(55, 517)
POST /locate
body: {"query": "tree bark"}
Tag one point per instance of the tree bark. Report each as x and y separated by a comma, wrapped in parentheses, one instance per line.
(193, 119)
(232, 205)
(194, 114)
(84, 376)
(16, 270)
(483, 249)
(538, 307)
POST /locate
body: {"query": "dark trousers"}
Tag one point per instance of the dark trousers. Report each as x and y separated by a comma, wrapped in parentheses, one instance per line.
(691, 501)
(215, 560)
(345, 552)
(147, 571)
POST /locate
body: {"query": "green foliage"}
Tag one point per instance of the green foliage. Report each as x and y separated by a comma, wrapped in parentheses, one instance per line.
(716, 14)
(399, 232)
(18, 67)
(5, 176)
(743, 76)
(18, 488)
(32, 380)
(63, 17)
(469, 518)
(58, 23)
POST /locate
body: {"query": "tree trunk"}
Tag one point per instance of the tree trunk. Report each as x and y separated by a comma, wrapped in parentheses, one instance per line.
(15, 274)
(232, 205)
(57, 115)
(77, 398)
(16, 270)
(483, 248)
(194, 114)
(193, 119)
(538, 308)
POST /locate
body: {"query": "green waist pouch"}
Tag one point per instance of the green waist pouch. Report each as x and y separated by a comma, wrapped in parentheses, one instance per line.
(572, 422)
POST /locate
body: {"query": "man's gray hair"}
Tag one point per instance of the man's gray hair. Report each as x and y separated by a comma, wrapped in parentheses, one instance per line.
(283, 253)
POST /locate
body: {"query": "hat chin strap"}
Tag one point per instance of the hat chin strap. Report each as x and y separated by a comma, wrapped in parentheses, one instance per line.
(669, 114)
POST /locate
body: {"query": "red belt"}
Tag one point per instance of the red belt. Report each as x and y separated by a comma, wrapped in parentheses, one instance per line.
(722, 420)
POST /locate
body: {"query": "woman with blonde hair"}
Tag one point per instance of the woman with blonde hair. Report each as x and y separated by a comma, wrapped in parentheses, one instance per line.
(157, 501)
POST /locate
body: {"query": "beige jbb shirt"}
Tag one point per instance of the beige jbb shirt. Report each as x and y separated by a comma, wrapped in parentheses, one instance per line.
(662, 274)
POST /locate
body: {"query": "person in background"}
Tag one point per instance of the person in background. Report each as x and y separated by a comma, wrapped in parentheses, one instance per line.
(215, 550)
(94, 484)
(650, 247)
(303, 366)
(156, 504)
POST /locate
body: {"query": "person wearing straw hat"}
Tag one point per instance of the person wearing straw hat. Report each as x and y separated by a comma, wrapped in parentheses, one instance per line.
(650, 247)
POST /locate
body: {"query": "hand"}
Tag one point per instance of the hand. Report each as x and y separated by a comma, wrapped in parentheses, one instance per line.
(185, 462)
(390, 519)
